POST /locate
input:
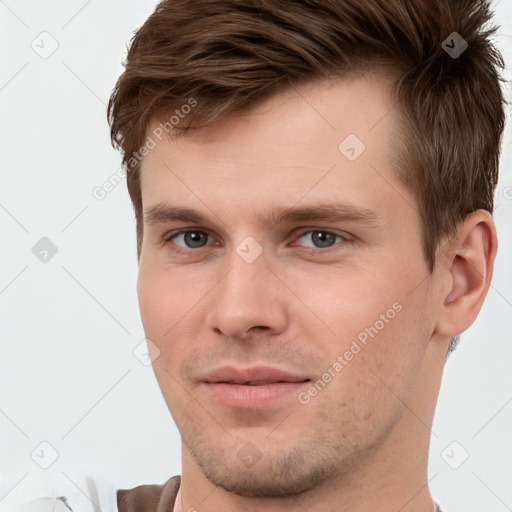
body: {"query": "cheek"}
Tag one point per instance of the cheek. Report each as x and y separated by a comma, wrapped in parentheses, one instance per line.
(162, 300)
(160, 308)
(170, 314)
(381, 331)
(151, 302)
(353, 301)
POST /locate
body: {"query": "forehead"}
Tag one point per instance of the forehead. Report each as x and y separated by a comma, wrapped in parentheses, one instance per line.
(337, 137)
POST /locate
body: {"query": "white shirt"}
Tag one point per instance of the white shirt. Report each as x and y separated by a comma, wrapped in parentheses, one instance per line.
(61, 492)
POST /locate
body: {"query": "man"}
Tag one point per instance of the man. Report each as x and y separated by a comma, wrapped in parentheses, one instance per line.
(313, 187)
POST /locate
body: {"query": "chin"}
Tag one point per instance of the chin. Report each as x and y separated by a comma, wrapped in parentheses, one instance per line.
(286, 472)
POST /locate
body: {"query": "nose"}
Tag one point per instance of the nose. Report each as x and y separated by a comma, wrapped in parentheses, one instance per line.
(248, 299)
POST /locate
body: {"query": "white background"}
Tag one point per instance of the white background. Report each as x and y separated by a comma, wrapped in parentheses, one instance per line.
(68, 375)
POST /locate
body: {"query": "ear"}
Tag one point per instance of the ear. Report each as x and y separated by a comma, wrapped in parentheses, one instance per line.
(466, 268)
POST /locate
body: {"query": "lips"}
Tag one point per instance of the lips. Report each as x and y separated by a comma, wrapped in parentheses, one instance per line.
(254, 376)
(252, 388)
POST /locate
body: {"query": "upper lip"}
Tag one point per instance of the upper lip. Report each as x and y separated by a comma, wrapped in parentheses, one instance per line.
(262, 374)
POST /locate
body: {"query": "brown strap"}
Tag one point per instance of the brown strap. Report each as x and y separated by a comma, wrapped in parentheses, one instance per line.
(169, 493)
(143, 498)
(149, 498)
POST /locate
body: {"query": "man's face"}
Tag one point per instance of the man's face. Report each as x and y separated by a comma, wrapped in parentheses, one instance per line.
(241, 291)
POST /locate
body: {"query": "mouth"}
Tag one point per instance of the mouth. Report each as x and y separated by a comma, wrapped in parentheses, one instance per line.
(260, 382)
(252, 388)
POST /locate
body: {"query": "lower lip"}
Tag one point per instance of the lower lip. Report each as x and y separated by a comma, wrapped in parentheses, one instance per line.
(250, 397)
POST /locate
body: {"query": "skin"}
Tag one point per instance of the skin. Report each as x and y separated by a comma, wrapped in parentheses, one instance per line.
(361, 444)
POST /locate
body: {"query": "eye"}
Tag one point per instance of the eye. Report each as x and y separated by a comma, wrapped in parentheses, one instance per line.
(323, 239)
(193, 239)
(197, 239)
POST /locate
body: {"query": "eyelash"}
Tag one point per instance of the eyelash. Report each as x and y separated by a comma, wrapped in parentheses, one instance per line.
(180, 250)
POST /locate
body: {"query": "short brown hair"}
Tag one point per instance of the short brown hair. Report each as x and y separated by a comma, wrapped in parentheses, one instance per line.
(229, 55)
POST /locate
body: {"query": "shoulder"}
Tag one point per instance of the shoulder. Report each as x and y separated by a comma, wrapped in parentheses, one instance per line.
(149, 498)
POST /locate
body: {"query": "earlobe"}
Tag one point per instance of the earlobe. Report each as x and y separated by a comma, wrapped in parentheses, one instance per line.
(469, 268)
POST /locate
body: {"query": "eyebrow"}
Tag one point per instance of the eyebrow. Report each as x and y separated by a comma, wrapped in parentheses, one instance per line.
(345, 212)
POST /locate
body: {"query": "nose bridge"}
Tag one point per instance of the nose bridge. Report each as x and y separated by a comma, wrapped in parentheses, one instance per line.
(246, 296)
